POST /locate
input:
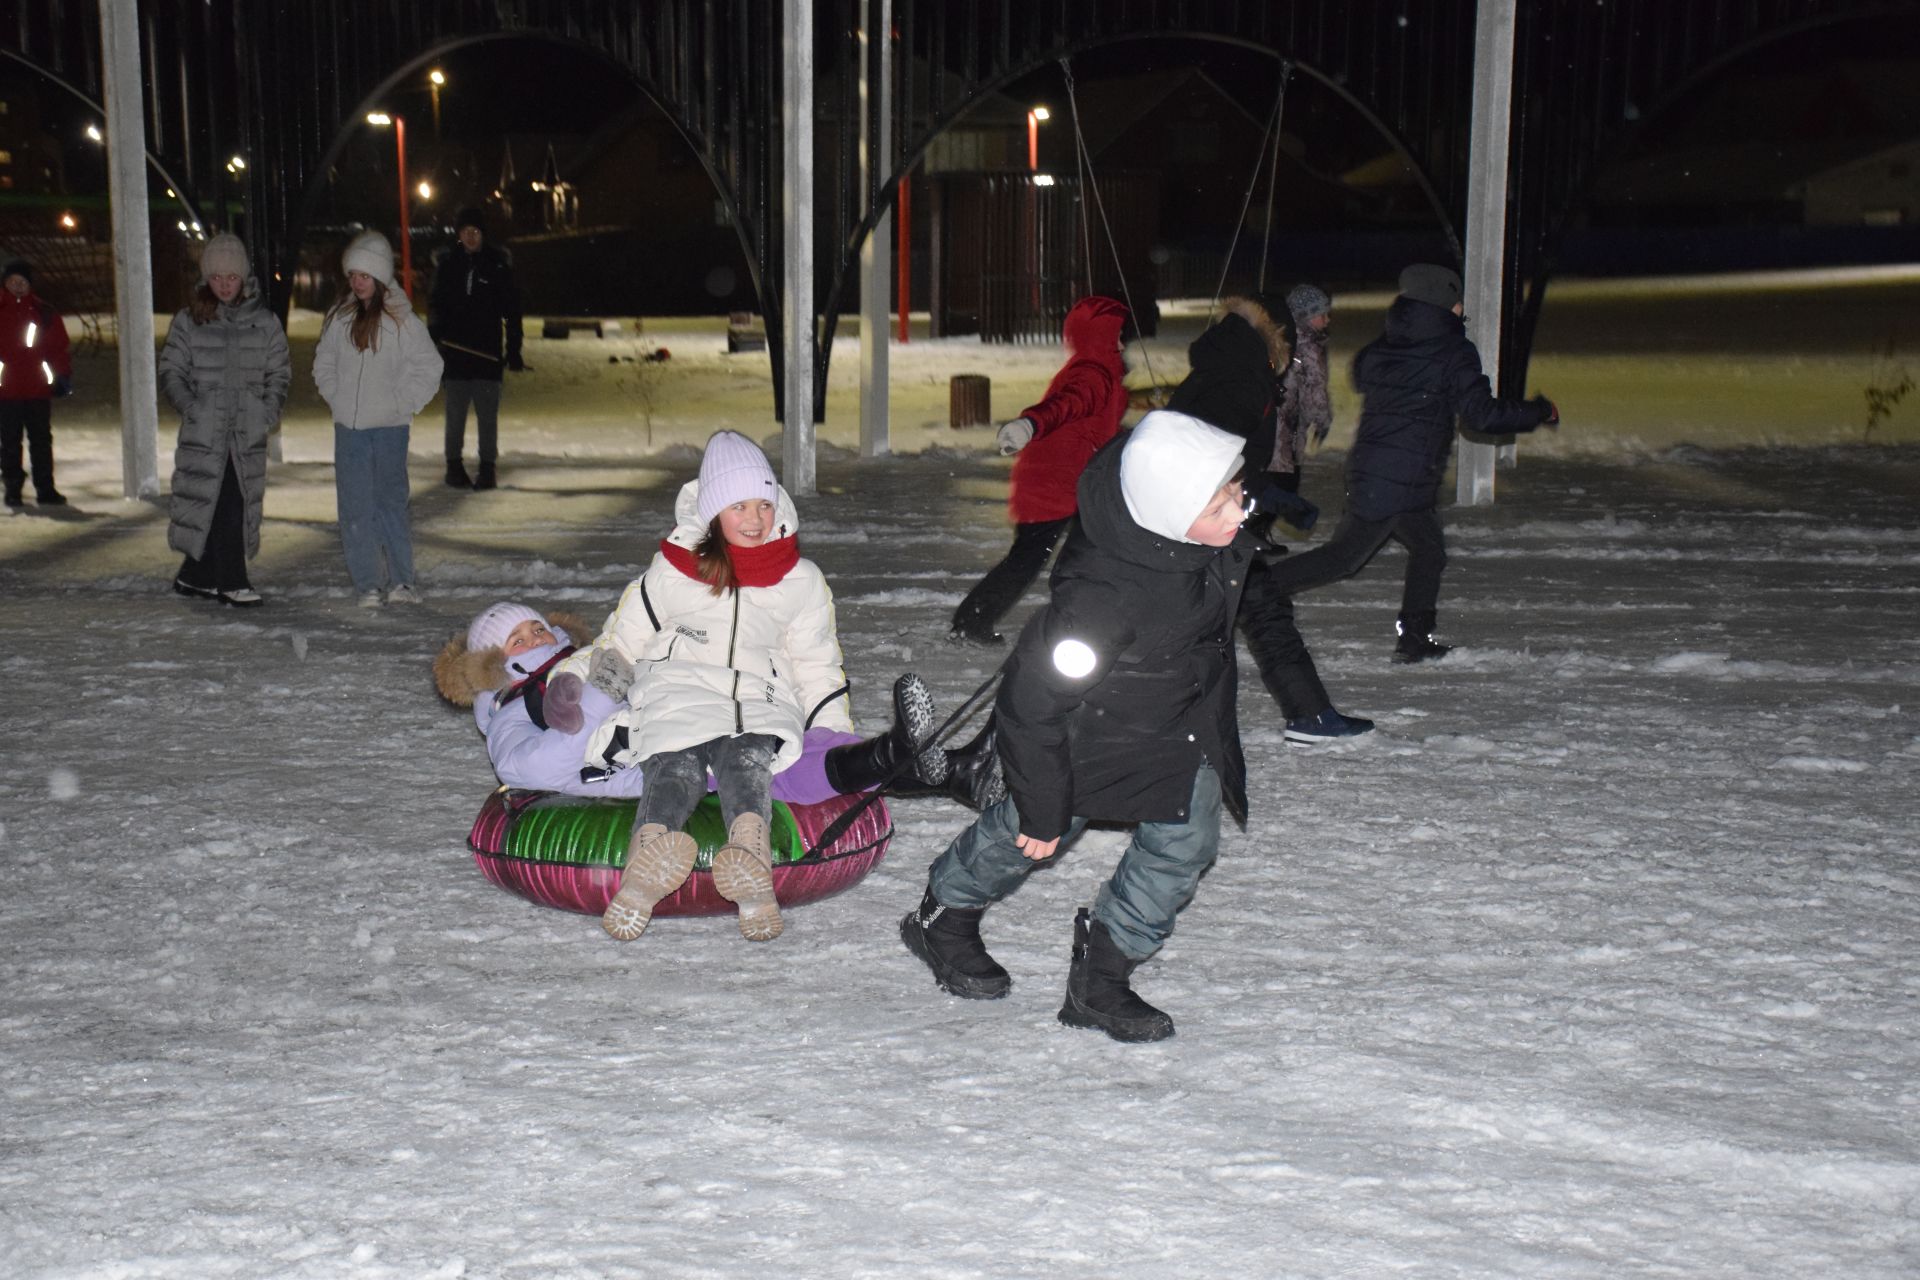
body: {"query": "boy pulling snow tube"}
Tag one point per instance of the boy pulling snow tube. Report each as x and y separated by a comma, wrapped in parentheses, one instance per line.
(567, 852)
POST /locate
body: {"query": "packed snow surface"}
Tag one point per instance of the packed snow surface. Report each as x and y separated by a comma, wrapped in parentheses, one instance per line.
(1596, 959)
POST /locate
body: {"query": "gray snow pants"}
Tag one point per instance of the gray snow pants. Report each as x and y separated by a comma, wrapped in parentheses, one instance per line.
(1155, 878)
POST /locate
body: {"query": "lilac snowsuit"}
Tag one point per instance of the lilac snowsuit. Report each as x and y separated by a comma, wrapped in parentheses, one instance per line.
(526, 756)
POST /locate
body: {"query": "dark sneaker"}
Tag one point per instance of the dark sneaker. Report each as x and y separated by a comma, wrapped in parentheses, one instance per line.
(1326, 726)
(1420, 649)
(486, 479)
(14, 499)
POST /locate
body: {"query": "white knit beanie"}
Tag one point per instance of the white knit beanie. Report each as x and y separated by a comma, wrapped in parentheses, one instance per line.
(225, 254)
(370, 252)
(733, 470)
(1170, 468)
(496, 622)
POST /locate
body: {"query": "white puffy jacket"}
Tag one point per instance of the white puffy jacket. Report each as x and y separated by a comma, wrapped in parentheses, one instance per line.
(754, 660)
(385, 385)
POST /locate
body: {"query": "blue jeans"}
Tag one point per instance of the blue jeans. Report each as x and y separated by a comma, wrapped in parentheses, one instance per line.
(1156, 876)
(370, 490)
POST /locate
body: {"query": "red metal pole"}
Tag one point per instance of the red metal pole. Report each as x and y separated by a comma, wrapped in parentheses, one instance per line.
(1033, 141)
(406, 217)
(903, 245)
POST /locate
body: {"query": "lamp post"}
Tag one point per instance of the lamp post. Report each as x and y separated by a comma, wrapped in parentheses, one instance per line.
(435, 79)
(1035, 118)
(380, 119)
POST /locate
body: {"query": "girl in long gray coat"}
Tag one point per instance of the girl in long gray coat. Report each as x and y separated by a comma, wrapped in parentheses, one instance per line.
(375, 367)
(225, 368)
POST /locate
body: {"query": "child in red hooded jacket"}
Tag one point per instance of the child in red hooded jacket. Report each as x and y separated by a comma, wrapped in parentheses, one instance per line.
(1055, 439)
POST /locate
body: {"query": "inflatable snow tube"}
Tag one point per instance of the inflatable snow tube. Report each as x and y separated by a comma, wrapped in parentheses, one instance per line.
(567, 851)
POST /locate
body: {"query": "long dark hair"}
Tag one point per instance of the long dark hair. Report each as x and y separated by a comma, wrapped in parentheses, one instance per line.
(366, 315)
(716, 566)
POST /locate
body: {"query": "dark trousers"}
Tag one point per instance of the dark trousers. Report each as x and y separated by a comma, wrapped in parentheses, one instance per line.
(222, 565)
(742, 768)
(1286, 668)
(484, 395)
(1354, 543)
(34, 420)
(1007, 581)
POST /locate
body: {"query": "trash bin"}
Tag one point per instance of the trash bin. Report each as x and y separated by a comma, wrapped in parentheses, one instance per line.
(969, 401)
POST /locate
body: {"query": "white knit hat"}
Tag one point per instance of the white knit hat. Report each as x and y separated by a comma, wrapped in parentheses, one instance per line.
(225, 254)
(733, 470)
(496, 622)
(370, 252)
(1171, 467)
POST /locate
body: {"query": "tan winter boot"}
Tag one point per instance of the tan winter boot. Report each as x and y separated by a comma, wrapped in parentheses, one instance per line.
(658, 862)
(743, 874)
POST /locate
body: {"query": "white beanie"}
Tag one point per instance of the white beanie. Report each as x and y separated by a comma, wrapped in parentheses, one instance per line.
(496, 622)
(370, 252)
(225, 254)
(1171, 467)
(733, 470)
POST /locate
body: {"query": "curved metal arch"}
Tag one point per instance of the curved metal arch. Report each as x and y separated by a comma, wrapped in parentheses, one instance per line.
(1623, 139)
(857, 235)
(180, 190)
(694, 139)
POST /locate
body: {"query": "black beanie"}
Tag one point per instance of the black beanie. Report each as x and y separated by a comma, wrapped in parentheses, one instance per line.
(470, 217)
(18, 267)
(1425, 282)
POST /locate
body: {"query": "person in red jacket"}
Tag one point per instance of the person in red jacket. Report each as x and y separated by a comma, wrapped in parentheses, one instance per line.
(34, 368)
(1055, 439)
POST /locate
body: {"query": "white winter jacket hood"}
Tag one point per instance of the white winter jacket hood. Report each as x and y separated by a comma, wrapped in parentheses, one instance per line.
(385, 385)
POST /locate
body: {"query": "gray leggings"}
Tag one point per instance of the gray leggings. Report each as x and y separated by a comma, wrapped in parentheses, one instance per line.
(742, 769)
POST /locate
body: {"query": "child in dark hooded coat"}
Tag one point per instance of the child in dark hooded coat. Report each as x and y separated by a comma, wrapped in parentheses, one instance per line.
(1118, 704)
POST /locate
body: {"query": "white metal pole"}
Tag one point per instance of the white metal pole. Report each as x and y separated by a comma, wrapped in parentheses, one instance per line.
(797, 229)
(132, 249)
(876, 264)
(1488, 153)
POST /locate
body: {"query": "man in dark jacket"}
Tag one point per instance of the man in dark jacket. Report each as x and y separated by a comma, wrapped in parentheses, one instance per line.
(1233, 384)
(1117, 704)
(1418, 377)
(475, 303)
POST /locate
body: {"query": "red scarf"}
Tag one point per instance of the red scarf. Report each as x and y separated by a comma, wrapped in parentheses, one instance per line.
(760, 566)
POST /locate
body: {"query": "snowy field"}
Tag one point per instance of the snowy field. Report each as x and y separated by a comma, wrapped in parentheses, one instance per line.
(1596, 960)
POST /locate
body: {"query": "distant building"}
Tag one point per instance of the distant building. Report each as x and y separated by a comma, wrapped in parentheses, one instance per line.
(1877, 190)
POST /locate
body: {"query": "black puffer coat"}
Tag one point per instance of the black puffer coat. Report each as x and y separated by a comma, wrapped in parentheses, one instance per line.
(476, 305)
(1232, 383)
(1125, 742)
(1418, 377)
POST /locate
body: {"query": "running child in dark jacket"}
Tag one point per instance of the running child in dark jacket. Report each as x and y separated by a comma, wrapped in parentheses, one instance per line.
(1054, 438)
(1117, 704)
(1419, 378)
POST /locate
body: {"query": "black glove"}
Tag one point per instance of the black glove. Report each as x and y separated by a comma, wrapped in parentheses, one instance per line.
(515, 363)
(1550, 410)
(63, 385)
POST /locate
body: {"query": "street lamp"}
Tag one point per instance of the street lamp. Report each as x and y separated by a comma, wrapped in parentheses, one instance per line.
(380, 119)
(435, 79)
(1035, 118)
(94, 134)
(425, 190)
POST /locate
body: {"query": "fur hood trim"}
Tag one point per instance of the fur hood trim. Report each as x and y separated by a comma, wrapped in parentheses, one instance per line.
(1279, 351)
(461, 676)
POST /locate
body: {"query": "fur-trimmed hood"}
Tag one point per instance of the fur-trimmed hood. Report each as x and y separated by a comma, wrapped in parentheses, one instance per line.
(461, 674)
(1270, 330)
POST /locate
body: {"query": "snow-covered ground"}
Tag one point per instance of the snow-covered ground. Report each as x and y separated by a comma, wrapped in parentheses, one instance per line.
(1597, 959)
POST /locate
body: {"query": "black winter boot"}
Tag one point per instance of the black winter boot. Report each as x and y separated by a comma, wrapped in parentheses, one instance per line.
(948, 939)
(1416, 643)
(973, 774)
(485, 479)
(457, 477)
(1098, 995)
(904, 752)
